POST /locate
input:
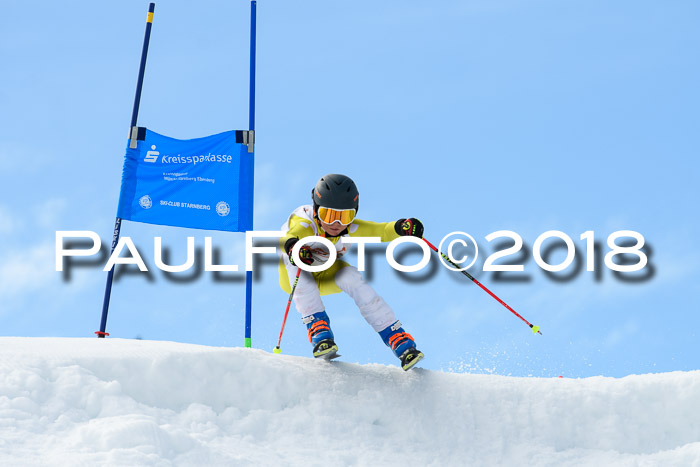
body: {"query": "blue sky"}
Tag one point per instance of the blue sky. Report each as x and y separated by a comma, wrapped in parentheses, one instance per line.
(474, 116)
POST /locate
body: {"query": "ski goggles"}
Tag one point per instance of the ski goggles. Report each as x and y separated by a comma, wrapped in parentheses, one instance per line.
(331, 216)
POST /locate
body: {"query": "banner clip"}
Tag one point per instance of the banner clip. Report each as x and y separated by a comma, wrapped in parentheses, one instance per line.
(136, 134)
(133, 136)
(248, 138)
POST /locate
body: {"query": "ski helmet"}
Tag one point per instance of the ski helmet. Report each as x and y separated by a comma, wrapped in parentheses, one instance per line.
(337, 192)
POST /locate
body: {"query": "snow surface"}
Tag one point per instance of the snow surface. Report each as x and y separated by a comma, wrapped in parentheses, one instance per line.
(131, 402)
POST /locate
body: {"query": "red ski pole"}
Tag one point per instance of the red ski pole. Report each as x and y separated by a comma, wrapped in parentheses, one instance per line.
(286, 312)
(535, 329)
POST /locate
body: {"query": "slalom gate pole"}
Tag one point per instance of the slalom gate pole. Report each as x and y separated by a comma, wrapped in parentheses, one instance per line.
(248, 341)
(535, 329)
(286, 312)
(134, 117)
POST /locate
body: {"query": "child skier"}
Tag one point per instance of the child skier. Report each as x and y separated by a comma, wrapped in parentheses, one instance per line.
(332, 216)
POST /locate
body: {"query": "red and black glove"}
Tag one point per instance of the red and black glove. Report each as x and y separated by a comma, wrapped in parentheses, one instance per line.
(409, 227)
(304, 252)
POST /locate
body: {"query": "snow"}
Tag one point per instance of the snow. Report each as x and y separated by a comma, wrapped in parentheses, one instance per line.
(131, 402)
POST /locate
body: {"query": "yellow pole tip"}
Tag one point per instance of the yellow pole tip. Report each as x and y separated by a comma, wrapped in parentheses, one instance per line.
(535, 329)
(277, 350)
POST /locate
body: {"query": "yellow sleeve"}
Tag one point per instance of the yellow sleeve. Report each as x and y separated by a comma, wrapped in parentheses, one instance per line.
(385, 230)
(298, 228)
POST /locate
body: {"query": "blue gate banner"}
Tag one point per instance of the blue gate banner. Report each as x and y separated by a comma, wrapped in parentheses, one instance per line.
(202, 183)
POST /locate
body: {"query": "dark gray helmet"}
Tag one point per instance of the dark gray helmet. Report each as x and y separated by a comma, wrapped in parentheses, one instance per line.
(336, 191)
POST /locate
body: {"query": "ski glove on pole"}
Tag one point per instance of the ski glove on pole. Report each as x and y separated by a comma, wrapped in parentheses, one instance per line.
(304, 252)
(409, 227)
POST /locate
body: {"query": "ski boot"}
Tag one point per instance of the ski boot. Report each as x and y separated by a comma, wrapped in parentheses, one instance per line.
(320, 335)
(402, 344)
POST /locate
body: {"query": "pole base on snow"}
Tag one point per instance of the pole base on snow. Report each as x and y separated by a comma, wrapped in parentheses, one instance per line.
(101, 334)
(276, 350)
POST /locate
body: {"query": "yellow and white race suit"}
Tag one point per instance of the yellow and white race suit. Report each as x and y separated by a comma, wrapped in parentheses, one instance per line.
(341, 277)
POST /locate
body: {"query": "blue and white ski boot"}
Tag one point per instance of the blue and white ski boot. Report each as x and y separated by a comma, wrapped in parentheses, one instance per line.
(402, 344)
(320, 335)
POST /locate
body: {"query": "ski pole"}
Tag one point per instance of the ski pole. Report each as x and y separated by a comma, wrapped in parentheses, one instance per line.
(286, 312)
(535, 329)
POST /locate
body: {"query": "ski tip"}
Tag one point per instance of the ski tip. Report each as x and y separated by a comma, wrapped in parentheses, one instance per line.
(329, 356)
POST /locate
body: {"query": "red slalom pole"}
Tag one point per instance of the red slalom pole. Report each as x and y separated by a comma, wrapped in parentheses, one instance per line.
(535, 329)
(286, 312)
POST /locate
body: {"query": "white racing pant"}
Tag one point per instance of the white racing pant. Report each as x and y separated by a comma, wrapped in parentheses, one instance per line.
(307, 297)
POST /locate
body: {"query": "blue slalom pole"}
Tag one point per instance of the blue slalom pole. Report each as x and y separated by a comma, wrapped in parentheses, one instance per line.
(251, 127)
(251, 115)
(134, 117)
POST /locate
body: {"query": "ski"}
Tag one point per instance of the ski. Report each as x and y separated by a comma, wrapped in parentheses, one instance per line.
(330, 356)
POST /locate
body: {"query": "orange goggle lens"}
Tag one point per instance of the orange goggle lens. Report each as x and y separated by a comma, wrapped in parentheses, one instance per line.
(330, 216)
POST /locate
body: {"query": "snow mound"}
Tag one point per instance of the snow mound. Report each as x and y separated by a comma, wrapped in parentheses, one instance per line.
(131, 402)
